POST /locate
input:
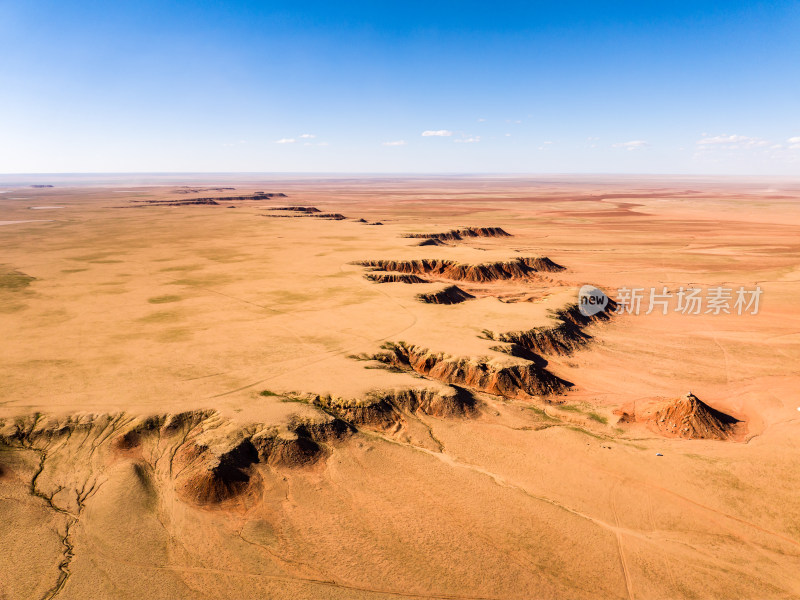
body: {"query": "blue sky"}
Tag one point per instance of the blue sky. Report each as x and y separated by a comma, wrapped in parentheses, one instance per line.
(456, 87)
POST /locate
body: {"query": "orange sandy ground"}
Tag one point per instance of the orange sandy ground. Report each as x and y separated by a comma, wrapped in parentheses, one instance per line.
(158, 310)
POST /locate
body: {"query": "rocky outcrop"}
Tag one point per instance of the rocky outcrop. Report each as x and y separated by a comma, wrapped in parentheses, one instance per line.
(562, 338)
(210, 459)
(520, 268)
(685, 417)
(387, 410)
(394, 278)
(524, 380)
(542, 264)
(450, 295)
(306, 214)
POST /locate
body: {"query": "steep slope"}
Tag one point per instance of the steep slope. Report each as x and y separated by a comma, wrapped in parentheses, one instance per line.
(523, 380)
(689, 417)
(450, 295)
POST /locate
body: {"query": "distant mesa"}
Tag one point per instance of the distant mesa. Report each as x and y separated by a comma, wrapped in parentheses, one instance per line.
(188, 190)
(455, 235)
(209, 201)
(686, 417)
(329, 216)
(42, 185)
(256, 196)
(187, 202)
(450, 295)
(303, 209)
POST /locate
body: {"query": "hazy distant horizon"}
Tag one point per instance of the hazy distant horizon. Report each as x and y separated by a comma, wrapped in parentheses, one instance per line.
(144, 179)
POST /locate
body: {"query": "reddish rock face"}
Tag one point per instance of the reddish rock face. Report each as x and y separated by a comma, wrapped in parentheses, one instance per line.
(520, 268)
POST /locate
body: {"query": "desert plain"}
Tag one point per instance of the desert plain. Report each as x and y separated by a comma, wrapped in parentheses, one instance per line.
(374, 388)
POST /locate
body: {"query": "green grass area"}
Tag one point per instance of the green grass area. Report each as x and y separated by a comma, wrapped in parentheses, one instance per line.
(163, 316)
(294, 399)
(14, 281)
(281, 397)
(587, 432)
(164, 299)
(597, 418)
(97, 256)
(584, 410)
(181, 268)
(203, 281)
(541, 413)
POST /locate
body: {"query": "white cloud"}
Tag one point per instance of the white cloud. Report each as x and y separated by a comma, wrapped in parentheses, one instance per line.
(323, 144)
(307, 136)
(732, 142)
(468, 140)
(285, 141)
(545, 145)
(794, 140)
(437, 133)
(395, 143)
(632, 145)
(592, 139)
(481, 120)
